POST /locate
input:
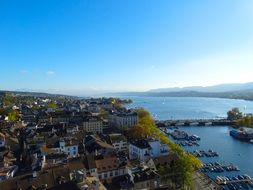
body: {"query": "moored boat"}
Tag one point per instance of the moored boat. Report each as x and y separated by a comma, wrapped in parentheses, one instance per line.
(242, 134)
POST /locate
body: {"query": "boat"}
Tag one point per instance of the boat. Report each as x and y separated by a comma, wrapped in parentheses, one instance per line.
(208, 123)
(243, 134)
(179, 124)
(250, 184)
(251, 141)
(231, 186)
(246, 176)
(194, 123)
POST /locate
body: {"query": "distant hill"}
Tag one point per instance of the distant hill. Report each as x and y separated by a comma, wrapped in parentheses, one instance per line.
(244, 94)
(36, 94)
(230, 91)
(216, 88)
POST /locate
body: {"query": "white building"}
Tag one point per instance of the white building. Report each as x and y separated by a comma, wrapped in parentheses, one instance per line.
(146, 149)
(121, 120)
(73, 129)
(93, 125)
(119, 142)
(68, 147)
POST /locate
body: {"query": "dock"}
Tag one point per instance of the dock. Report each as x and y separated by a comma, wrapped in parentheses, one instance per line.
(222, 180)
(234, 181)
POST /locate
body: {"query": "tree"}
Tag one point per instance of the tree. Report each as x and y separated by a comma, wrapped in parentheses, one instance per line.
(103, 114)
(3, 112)
(8, 99)
(52, 105)
(13, 115)
(234, 114)
(245, 122)
(163, 170)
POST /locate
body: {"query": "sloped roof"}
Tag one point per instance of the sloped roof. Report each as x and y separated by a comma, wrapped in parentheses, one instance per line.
(107, 164)
(164, 160)
(142, 144)
(49, 177)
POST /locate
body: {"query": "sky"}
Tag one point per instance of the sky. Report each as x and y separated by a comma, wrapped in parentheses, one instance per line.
(84, 46)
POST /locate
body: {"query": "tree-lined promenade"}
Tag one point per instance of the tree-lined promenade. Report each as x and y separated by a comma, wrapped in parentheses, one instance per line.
(186, 163)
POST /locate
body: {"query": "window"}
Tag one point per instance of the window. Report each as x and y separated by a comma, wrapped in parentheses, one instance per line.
(105, 175)
(111, 174)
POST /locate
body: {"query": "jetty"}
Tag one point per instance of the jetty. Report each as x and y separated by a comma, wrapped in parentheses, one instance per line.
(221, 180)
(233, 183)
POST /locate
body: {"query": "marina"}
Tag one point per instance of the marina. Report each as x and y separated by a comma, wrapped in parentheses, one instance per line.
(217, 167)
(182, 135)
(213, 163)
(202, 153)
(187, 143)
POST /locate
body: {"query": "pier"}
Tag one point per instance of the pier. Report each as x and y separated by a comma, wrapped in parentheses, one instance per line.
(237, 182)
(194, 122)
(249, 181)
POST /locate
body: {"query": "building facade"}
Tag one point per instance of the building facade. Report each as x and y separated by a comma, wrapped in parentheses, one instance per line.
(70, 148)
(119, 142)
(143, 150)
(121, 120)
(109, 168)
(93, 125)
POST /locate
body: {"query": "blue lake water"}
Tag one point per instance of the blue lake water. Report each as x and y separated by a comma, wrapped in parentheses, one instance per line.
(216, 138)
(189, 108)
(230, 150)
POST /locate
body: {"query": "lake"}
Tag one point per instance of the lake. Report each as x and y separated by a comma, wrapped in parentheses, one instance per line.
(189, 108)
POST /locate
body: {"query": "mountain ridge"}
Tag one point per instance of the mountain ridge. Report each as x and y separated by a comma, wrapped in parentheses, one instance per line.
(242, 91)
(214, 88)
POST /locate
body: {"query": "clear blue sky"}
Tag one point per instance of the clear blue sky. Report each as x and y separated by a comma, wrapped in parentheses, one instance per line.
(73, 46)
